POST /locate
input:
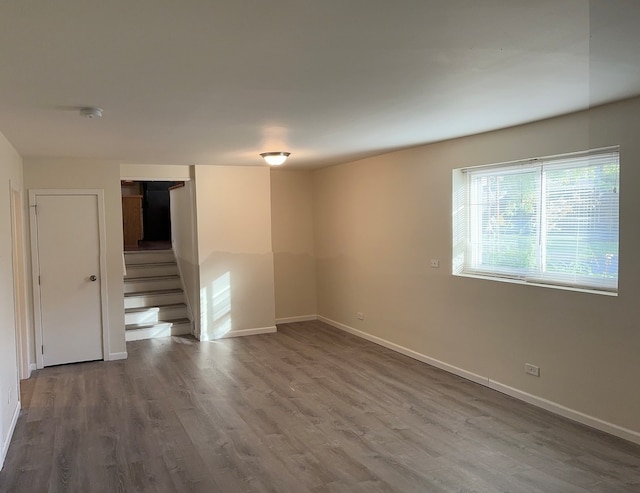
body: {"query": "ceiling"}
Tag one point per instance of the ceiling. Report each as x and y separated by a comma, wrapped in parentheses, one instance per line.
(217, 82)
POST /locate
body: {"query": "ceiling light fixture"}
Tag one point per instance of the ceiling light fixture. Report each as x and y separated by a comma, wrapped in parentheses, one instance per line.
(91, 112)
(275, 158)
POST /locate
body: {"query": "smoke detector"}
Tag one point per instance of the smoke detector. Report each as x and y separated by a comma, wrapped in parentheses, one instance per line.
(91, 112)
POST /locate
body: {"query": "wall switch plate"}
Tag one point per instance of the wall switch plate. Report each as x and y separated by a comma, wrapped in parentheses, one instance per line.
(532, 369)
(435, 263)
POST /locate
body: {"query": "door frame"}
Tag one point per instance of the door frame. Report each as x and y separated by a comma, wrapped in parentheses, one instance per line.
(20, 289)
(35, 266)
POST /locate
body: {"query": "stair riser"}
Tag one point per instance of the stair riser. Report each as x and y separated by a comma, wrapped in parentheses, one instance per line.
(151, 332)
(153, 285)
(151, 270)
(153, 300)
(149, 316)
(153, 314)
(148, 257)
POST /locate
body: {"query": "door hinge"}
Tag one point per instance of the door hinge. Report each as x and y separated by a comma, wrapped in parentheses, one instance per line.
(38, 280)
(42, 349)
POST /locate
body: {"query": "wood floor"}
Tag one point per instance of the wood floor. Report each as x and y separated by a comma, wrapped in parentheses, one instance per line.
(308, 409)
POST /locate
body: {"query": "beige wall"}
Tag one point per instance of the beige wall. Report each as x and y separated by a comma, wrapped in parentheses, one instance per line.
(164, 172)
(105, 175)
(379, 221)
(293, 250)
(10, 174)
(234, 250)
(184, 240)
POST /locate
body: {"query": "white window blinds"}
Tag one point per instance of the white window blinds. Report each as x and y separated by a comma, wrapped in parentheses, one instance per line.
(553, 221)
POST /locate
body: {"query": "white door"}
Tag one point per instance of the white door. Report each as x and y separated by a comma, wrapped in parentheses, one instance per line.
(67, 246)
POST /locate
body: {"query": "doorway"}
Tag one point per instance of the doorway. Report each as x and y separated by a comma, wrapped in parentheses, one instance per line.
(69, 275)
(146, 214)
(19, 283)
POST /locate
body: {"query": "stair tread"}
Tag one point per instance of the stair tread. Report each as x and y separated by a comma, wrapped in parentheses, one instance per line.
(169, 277)
(159, 292)
(176, 321)
(145, 308)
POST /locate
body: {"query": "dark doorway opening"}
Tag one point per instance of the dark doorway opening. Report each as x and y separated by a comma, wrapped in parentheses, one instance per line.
(156, 212)
(146, 214)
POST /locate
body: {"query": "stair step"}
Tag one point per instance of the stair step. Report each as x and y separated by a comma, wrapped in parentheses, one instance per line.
(135, 271)
(145, 284)
(177, 321)
(154, 313)
(148, 257)
(161, 329)
(153, 298)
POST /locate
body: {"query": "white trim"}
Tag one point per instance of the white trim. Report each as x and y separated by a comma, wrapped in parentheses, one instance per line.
(246, 332)
(7, 441)
(554, 407)
(117, 356)
(32, 368)
(35, 267)
(408, 352)
(21, 318)
(290, 320)
(572, 414)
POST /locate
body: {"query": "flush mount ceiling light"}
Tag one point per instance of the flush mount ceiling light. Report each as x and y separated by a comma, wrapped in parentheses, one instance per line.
(91, 112)
(275, 158)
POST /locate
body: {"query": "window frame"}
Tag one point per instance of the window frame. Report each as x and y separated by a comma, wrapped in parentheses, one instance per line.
(462, 224)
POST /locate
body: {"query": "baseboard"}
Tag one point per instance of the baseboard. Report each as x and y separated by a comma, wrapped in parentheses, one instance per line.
(32, 368)
(246, 332)
(7, 441)
(554, 407)
(290, 320)
(572, 414)
(117, 356)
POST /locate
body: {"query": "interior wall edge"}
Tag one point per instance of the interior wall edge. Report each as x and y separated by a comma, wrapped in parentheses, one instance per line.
(7, 441)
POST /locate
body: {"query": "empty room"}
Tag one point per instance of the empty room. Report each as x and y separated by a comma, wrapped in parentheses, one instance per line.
(352, 246)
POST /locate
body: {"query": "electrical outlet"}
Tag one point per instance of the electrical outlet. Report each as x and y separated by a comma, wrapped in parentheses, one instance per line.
(532, 369)
(360, 316)
(435, 263)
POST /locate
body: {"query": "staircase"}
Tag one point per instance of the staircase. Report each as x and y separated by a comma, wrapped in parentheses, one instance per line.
(154, 303)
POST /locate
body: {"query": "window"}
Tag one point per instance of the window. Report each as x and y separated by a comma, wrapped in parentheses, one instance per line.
(544, 221)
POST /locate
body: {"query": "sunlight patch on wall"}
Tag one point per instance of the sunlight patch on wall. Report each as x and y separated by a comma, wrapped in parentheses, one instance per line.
(215, 303)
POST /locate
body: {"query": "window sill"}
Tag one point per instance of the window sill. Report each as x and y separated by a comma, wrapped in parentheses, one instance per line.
(536, 284)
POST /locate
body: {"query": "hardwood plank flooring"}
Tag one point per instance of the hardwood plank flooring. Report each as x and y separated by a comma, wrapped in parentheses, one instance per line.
(307, 409)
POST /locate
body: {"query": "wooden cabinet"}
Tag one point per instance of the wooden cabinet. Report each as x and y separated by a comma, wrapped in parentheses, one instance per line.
(132, 220)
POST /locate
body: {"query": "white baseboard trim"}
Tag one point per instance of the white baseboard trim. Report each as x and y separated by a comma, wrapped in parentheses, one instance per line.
(32, 368)
(290, 320)
(554, 407)
(117, 356)
(408, 352)
(572, 414)
(245, 332)
(7, 441)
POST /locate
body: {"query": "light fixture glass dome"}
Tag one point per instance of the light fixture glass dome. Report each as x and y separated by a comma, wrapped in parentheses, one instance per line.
(275, 158)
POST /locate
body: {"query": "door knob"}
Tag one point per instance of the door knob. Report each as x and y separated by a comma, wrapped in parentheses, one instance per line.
(92, 278)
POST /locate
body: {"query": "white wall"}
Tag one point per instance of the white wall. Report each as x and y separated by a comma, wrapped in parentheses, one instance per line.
(293, 251)
(10, 172)
(185, 244)
(379, 221)
(160, 172)
(234, 250)
(105, 175)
